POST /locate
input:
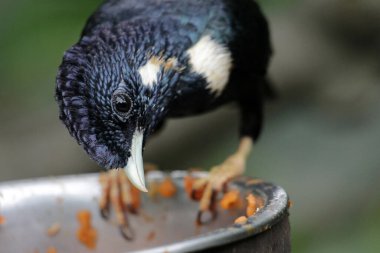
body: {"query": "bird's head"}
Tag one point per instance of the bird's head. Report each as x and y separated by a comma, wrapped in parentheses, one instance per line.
(108, 102)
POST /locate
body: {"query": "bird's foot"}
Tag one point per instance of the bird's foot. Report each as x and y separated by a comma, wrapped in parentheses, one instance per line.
(122, 196)
(217, 179)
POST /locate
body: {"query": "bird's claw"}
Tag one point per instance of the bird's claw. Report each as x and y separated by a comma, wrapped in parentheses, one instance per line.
(121, 196)
(211, 210)
(105, 212)
(127, 232)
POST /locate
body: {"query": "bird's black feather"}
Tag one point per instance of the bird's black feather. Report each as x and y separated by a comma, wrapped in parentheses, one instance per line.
(123, 35)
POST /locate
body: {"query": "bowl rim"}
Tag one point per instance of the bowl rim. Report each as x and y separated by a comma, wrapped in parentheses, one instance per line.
(273, 211)
(276, 206)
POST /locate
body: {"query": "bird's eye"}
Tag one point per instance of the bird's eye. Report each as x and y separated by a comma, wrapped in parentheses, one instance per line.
(121, 104)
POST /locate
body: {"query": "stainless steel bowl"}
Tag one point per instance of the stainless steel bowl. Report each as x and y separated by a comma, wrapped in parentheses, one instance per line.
(164, 225)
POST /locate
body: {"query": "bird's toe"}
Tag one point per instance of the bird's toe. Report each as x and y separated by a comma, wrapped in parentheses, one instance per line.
(119, 195)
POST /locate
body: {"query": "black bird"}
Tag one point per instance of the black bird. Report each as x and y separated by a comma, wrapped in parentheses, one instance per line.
(139, 62)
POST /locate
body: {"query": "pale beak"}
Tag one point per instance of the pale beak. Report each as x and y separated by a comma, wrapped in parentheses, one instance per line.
(135, 167)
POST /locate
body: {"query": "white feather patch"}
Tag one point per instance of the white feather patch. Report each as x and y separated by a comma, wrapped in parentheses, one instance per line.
(149, 72)
(213, 61)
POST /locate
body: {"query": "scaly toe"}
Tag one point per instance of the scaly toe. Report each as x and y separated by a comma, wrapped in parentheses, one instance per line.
(105, 212)
(120, 196)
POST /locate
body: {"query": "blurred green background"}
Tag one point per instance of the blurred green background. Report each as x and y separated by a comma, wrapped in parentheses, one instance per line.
(322, 135)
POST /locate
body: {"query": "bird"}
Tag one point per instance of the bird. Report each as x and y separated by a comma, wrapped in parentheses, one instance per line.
(140, 62)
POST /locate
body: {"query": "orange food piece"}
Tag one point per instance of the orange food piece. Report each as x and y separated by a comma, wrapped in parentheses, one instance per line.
(2, 219)
(167, 188)
(86, 234)
(198, 193)
(51, 250)
(84, 218)
(252, 205)
(188, 185)
(241, 220)
(188, 182)
(231, 200)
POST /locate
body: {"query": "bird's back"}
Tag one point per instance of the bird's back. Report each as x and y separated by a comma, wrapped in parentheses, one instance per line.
(217, 17)
(235, 24)
(116, 11)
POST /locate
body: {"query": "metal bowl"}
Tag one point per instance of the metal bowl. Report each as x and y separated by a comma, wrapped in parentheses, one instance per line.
(163, 225)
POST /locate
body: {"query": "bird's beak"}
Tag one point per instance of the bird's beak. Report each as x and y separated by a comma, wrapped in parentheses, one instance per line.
(135, 167)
